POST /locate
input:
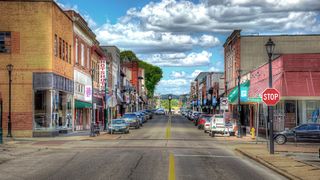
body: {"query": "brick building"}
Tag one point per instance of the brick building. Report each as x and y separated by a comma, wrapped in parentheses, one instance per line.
(36, 38)
(244, 53)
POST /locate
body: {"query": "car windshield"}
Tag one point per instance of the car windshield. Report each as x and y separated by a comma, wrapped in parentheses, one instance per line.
(118, 121)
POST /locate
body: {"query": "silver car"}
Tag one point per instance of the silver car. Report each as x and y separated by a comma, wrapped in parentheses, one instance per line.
(118, 125)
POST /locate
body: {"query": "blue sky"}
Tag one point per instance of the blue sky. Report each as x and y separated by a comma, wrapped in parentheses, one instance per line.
(186, 37)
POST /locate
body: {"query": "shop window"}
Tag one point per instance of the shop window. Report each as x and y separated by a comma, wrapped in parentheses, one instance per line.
(290, 107)
(5, 42)
(42, 109)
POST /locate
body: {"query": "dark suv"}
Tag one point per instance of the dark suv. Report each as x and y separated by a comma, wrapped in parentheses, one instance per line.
(303, 132)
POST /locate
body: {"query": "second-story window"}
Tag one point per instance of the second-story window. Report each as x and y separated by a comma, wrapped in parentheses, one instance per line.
(55, 45)
(60, 48)
(82, 54)
(76, 52)
(67, 52)
(70, 54)
(5, 42)
(63, 49)
(88, 58)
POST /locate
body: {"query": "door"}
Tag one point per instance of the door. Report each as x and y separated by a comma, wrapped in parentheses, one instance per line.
(312, 133)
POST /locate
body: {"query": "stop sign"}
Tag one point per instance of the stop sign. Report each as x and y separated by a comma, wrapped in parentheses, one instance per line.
(270, 96)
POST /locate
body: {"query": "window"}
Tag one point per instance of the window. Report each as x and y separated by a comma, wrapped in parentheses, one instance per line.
(302, 127)
(76, 53)
(70, 54)
(82, 54)
(55, 45)
(5, 42)
(60, 48)
(312, 127)
(67, 52)
(88, 58)
(290, 106)
(63, 48)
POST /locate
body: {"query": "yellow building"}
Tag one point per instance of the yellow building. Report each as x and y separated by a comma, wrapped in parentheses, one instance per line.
(36, 37)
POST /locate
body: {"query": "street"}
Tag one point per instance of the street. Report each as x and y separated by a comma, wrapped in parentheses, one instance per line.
(161, 149)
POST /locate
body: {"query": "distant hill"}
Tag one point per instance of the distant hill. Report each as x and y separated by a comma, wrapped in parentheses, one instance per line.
(165, 96)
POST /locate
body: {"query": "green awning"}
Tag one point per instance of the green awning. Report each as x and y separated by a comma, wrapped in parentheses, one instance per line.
(81, 104)
(233, 95)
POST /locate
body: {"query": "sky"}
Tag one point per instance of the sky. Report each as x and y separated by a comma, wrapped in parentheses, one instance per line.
(186, 37)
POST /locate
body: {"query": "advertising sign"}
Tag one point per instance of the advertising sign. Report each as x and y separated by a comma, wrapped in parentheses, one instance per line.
(102, 75)
(88, 93)
(224, 103)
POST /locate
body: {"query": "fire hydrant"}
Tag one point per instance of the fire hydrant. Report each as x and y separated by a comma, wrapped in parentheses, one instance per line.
(253, 133)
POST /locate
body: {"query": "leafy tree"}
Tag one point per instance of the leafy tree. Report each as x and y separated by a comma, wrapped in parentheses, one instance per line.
(153, 74)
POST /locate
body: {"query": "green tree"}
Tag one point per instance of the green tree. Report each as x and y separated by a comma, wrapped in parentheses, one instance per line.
(153, 74)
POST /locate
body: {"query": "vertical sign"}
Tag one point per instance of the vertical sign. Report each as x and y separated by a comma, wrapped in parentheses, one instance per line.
(88, 93)
(102, 75)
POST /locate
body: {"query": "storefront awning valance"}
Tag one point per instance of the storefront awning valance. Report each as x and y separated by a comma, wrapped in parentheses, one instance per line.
(81, 104)
(233, 95)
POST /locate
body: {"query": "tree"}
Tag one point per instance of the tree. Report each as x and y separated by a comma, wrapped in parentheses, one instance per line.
(153, 74)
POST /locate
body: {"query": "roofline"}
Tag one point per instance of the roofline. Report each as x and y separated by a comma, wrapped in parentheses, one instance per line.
(280, 35)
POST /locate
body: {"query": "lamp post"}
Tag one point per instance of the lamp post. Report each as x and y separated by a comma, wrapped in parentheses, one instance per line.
(239, 105)
(270, 48)
(92, 134)
(9, 68)
(170, 98)
(139, 90)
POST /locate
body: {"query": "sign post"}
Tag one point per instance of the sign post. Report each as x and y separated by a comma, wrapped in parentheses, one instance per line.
(270, 97)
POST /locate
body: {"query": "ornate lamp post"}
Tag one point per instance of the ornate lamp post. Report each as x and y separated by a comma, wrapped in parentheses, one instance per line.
(9, 68)
(92, 134)
(170, 98)
(270, 48)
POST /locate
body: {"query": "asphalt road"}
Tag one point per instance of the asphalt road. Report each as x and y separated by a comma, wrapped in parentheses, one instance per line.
(162, 149)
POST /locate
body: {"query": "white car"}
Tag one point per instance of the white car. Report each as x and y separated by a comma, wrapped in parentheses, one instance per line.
(218, 125)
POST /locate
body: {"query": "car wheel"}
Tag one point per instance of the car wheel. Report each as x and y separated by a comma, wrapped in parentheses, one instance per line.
(232, 134)
(199, 127)
(212, 134)
(205, 131)
(281, 139)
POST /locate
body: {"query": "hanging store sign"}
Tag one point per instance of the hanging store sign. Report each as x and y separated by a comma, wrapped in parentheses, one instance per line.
(224, 103)
(102, 75)
(88, 93)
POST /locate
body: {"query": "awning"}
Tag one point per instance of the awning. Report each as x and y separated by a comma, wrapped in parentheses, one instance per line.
(80, 104)
(233, 95)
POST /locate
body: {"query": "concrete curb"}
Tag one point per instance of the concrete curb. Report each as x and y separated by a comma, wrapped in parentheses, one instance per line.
(268, 165)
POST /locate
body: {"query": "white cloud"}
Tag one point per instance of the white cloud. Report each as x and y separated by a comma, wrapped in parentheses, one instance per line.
(194, 74)
(132, 36)
(181, 59)
(176, 74)
(173, 86)
(222, 16)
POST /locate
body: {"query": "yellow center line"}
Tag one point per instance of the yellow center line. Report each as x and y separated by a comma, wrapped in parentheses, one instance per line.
(168, 129)
(171, 175)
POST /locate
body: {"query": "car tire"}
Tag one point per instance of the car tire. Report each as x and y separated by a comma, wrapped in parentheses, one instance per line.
(212, 134)
(280, 139)
(205, 131)
(232, 134)
(199, 127)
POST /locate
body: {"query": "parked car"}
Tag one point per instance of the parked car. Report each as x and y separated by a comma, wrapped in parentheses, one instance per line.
(118, 125)
(145, 115)
(207, 127)
(150, 113)
(195, 117)
(219, 125)
(203, 118)
(160, 112)
(141, 118)
(303, 132)
(132, 119)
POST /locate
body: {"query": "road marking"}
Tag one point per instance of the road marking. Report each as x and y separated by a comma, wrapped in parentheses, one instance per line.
(198, 155)
(171, 175)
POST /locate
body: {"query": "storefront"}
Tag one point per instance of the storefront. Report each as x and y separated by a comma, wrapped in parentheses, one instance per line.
(297, 78)
(83, 100)
(53, 104)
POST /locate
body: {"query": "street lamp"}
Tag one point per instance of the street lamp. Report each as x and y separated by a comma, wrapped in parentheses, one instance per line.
(170, 98)
(239, 105)
(270, 48)
(139, 89)
(92, 134)
(9, 68)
